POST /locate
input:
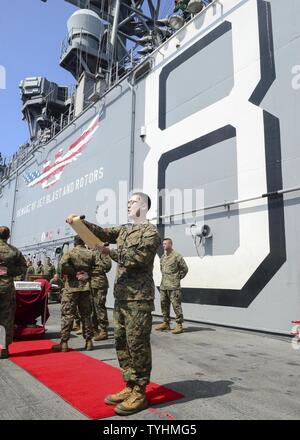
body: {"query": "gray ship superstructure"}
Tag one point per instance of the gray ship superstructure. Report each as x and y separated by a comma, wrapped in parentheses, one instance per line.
(209, 108)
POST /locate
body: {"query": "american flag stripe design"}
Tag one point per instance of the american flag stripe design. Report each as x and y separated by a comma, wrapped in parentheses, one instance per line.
(52, 173)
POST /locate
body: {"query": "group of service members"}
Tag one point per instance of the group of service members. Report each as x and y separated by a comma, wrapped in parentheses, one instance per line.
(47, 270)
(85, 288)
(84, 295)
(83, 304)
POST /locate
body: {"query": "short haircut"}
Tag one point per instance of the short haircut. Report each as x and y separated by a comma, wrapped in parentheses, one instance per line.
(145, 198)
(4, 232)
(168, 239)
(78, 241)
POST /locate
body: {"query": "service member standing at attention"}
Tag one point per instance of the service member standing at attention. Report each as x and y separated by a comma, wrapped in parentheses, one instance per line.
(49, 269)
(99, 286)
(137, 245)
(30, 270)
(77, 265)
(39, 268)
(173, 269)
(12, 263)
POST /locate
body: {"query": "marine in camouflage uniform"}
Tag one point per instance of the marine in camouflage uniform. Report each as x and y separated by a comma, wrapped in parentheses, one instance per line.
(77, 323)
(49, 270)
(12, 264)
(56, 281)
(75, 263)
(99, 286)
(30, 271)
(173, 269)
(134, 289)
(134, 295)
(39, 269)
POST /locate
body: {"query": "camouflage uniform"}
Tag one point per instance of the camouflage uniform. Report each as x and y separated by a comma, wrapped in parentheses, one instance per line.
(58, 282)
(77, 317)
(99, 285)
(49, 271)
(13, 261)
(76, 293)
(39, 270)
(57, 291)
(29, 272)
(173, 268)
(134, 295)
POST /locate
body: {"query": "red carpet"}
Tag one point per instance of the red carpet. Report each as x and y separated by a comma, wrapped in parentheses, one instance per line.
(79, 379)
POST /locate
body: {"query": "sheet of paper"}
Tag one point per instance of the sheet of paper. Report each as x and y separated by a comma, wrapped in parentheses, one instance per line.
(85, 234)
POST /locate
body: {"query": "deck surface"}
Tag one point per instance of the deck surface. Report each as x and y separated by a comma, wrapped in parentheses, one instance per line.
(223, 373)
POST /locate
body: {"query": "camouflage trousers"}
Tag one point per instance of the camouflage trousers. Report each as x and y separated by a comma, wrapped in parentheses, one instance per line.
(168, 297)
(99, 311)
(133, 324)
(7, 313)
(69, 304)
(77, 317)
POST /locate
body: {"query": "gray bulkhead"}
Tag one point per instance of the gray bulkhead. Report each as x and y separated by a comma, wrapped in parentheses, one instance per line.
(247, 273)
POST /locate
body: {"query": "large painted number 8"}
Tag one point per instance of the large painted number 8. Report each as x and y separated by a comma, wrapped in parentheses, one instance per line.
(244, 274)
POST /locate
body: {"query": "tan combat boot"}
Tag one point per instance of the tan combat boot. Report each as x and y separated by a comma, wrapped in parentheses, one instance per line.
(163, 326)
(4, 353)
(114, 399)
(101, 336)
(89, 345)
(178, 329)
(62, 346)
(136, 402)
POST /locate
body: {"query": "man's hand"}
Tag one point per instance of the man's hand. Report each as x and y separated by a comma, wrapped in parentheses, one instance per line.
(82, 276)
(104, 250)
(3, 270)
(70, 218)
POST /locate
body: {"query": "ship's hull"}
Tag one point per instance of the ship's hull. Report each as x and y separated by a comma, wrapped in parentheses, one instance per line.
(216, 116)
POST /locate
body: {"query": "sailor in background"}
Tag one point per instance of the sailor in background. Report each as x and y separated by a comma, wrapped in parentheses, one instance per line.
(173, 269)
(187, 6)
(181, 5)
(77, 265)
(12, 264)
(99, 286)
(137, 245)
(77, 327)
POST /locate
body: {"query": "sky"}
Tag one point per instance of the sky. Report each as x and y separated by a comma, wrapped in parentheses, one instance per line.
(31, 34)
